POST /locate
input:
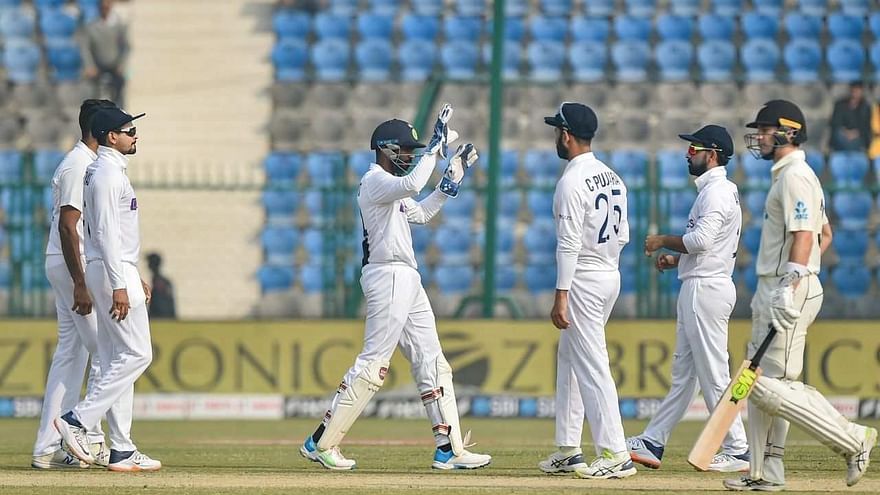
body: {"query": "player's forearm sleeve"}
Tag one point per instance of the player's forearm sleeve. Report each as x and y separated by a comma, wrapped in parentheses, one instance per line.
(704, 234)
(108, 234)
(386, 188)
(566, 264)
(569, 230)
(423, 211)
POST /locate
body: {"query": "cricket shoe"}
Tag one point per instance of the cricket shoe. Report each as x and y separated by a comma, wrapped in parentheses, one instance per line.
(57, 460)
(73, 436)
(608, 466)
(644, 452)
(563, 461)
(746, 484)
(100, 453)
(465, 460)
(857, 464)
(330, 459)
(132, 462)
(730, 463)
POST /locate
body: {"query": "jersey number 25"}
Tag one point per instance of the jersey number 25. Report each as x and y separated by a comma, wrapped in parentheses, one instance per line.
(609, 207)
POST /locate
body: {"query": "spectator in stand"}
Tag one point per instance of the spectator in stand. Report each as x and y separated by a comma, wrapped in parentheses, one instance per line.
(162, 302)
(851, 121)
(105, 51)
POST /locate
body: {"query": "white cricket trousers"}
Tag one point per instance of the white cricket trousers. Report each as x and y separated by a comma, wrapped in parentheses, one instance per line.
(584, 385)
(398, 315)
(124, 349)
(77, 340)
(701, 358)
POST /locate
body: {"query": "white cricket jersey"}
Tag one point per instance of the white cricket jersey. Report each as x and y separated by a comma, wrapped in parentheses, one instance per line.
(713, 228)
(589, 207)
(387, 209)
(111, 213)
(67, 190)
(795, 203)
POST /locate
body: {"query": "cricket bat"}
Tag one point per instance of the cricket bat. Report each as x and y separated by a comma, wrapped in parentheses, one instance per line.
(729, 406)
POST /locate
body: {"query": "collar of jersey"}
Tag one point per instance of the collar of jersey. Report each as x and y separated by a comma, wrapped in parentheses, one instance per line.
(85, 149)
(794, 156)
(110, 155)
(711, 175)
(582, 158)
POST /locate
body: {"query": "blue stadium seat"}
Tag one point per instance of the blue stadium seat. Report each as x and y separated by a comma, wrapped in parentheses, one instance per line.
(716, 27)
(848, 168)
(289, 23)
(324, 167)
(760, 58)
(316, 204)
(874, 24)
(417, 58)
(675, 27)
(56, 23)
(629, 28)
(680, 203)
(548, 28)
(346, 8)
(421, 237)
(330, 58)
(514, 29)
(505, 277)
(727, 7)
(17, 23)
(542, 167)
(313, 241)
(672, 169)
(751, 239)
(422, 27)
(853, 209)
(10, 167)
(45, 163)
(556, 8)
(757, 171)
(816, 161)
(509, 168)
(843, 26)
(540, 203)
(516, 8)
(461, 209)
(875, 59)
(462, 28)
(289, 58)
(282, 168)
(769, 7)
(803, 58)
(754, 201)
(312, 278)
(631, 60)
(851, 279)
(5, 274)
(813, 7)
(374, 58)
(759, 26)
(64, 59)
(800, 25)
(8, 4)
(359, 162)
(511, 62)
(279, 243)
(474, 8)
(641, 8)
(845, 59)
(22, 60)
(460, 58)
(674, 59)
(850, 244)
(279, 205)
(540, 278)
(453, 242)
(509, 204)
(374, 25)
(275, 278)
(385, 7)
(588, 61)
(427, 7)
(855, 7)
(545, 60)
(593, 29)
(332, 26)
(716, 59)
(539, 242)
(454, 279)
(631, 166)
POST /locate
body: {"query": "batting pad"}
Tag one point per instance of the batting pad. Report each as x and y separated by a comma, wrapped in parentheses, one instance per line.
(442, 408)
(351, 401)
(807, 408)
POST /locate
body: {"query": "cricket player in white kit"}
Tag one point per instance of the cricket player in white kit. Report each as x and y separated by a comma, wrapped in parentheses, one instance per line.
(705, 301)
(112, 245)
(589, 208)
(789, 297)
(398, 311)
(77, 325)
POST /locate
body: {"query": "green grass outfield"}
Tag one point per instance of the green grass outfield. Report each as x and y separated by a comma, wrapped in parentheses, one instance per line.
(394, 456)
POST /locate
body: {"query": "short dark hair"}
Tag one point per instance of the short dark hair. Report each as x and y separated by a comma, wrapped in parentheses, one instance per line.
(102, 139)
(722, 158)
(87, 110)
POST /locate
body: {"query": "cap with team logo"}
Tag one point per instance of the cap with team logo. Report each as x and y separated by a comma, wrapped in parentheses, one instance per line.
(712, 136)
(395, 131)
(576, 118)
(110, 119)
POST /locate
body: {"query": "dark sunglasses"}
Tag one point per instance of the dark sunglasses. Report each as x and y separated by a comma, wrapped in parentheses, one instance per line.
(131, 132)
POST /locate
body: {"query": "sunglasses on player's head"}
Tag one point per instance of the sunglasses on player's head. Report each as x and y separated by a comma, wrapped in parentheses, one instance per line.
(693, 149)
(130, 132)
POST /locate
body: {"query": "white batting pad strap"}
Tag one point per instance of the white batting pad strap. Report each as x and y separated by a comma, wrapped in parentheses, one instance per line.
(807, 408)
(350, 403)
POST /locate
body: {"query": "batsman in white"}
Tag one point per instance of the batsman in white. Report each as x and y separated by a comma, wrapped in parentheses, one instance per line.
(112, 245)
(398, 311)
(705, 301)
(77, 325)
(589, 208)
(789, 297)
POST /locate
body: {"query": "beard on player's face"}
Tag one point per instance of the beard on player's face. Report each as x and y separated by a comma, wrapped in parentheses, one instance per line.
(561, 149)
(698, 164)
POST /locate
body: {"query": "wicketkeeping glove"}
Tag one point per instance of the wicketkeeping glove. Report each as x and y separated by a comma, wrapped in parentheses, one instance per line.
(442, 135)
(464, 157)
(783, 312)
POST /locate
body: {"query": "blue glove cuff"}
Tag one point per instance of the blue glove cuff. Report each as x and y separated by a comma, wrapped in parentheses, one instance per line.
(449, 187)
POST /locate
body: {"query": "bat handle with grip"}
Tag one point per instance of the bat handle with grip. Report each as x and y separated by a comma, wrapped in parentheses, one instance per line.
(756, 359)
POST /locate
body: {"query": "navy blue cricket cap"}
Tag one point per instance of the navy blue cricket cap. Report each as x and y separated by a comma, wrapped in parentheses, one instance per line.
(712, 136)
(395, 131)
(110, 119)
(576, 118)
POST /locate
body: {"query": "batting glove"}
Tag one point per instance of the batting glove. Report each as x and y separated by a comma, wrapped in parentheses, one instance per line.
(464, 157)
(442, 134)
(783, 312)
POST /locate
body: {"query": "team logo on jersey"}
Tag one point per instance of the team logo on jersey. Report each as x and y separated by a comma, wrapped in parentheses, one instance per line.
(134, 204)
(800, 211)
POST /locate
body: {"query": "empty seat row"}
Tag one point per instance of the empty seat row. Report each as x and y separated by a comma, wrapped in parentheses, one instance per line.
(23, 59)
